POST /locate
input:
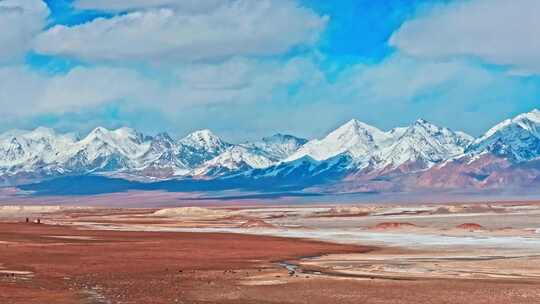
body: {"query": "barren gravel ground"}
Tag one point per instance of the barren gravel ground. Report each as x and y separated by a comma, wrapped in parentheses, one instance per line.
(414, 254)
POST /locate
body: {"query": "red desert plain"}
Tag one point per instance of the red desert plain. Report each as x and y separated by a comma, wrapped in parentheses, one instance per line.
(269, 152)
(429, 253)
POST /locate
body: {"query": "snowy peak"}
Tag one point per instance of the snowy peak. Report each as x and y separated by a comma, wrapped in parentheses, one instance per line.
(41, 132)
(277, 146)
(353, 148)
(102, 141)
(121, 134)
(251, 155)
(37, 134)
(423, 144)
(527, 121)
(201, 138)
(204, 140)
(103, 150)
(533, 115)
(26, 148)
(234, 159)
(422, 124)
(354, 137)
(517, 138)
(199, 147)
(356, 130)
(423, 129)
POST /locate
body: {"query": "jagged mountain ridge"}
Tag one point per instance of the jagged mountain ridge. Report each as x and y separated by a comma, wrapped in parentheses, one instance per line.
(422, 143)
(517, 138)
(124, 150)
(356, 154)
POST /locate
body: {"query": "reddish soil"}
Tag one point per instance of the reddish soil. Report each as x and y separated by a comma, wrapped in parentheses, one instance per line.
(151, 267)
(470, 226)
(136, 267)
(394, 225)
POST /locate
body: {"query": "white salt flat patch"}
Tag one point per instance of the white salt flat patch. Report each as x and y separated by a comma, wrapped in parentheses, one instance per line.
(363, 237)
(191, 212)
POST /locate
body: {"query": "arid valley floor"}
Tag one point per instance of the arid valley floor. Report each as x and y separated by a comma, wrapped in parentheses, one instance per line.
(358, 253)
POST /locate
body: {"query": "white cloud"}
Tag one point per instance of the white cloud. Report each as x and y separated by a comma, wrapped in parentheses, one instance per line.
(20, 21)
(190, 6)
(25, 92)
(237, 28)
(401, 79)
(244, 96)
(456, 93)
(497, 31)
(239, 73)
(239, 80)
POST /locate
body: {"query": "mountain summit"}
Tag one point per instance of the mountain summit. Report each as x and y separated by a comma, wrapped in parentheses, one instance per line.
(517, 138)
(354, 157)
(355, 137)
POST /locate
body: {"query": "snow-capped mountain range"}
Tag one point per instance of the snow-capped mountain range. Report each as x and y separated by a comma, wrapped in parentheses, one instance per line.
(517, 138)
(43, 153)
(422, 143)
(354, 156)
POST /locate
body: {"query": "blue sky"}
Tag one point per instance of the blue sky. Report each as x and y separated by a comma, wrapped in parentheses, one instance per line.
(247, 69)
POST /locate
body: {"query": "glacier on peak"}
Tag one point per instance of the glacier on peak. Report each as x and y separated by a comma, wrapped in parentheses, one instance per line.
(354, 148)
(517, 138)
